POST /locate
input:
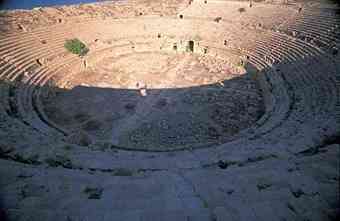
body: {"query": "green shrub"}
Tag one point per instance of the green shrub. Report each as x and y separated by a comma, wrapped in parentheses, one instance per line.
(75, 46)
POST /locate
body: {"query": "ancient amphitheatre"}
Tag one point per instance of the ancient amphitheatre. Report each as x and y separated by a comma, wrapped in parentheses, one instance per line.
(196, 110)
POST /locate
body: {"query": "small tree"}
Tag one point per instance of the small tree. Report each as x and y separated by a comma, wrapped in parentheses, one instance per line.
(75, 46)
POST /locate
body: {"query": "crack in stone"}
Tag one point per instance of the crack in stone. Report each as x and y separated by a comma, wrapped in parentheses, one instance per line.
(197, 194)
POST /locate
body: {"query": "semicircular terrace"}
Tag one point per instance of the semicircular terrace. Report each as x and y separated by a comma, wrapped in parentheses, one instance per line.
(196, 111)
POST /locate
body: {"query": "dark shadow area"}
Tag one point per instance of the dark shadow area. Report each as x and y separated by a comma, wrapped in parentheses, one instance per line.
(159, 120)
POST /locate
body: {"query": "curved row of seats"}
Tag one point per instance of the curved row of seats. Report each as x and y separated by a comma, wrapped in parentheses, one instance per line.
(39, 76)
(316, 25)
(298, 78)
